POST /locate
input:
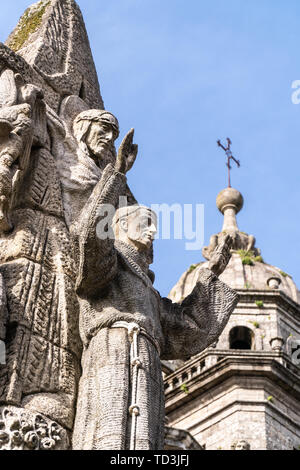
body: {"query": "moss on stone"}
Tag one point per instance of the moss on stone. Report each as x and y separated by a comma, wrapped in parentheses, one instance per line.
(184, 388)
(243, 253)
(284, 274)
(192, 267)
(259, 303)
(28, 24)
(248, 257)
(247, 260)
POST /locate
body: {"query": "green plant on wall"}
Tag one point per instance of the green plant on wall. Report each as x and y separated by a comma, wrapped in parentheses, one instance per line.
(259, 303)
(184, 388)
(249, 258)
(255, 324)
(284, 274)
(192, 267)
(246, 257)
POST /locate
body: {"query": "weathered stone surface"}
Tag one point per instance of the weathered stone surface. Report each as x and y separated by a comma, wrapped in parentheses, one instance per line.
(234, 395)
(8, 89)
(178, 439)
(41, 329)
(3, 313)
(43, 301)
(24, 430)
(52, 38)
(10, 60)
(47, 174)
(42, 181)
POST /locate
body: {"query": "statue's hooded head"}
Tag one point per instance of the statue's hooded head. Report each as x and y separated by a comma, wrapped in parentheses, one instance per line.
(136, 225)
(96, 131)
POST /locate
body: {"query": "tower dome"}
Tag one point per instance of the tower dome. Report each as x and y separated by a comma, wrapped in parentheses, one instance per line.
(242, 272)
(246, 269)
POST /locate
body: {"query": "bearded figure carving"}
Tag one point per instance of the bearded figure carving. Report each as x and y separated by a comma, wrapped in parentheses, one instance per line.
(89, 147)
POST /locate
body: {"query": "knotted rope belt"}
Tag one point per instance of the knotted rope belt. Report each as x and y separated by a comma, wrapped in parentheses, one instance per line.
(134, 330)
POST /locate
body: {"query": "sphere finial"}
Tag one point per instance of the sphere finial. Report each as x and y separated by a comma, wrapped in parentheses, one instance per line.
(230, 197)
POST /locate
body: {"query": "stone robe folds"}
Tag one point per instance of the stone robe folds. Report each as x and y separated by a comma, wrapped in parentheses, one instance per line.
(113, 285)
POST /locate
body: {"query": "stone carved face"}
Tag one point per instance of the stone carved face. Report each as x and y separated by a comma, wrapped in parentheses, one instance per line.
(100, 138)
(138, 228)
(96, 131)
(242, 445)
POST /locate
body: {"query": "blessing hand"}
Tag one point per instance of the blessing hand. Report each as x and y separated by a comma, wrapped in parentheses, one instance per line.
(220, 256)
(127, 154)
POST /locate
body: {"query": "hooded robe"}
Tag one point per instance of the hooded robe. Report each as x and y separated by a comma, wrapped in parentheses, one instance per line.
(121, 396)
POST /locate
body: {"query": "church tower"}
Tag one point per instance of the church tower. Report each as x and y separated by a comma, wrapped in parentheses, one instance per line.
(244, 391)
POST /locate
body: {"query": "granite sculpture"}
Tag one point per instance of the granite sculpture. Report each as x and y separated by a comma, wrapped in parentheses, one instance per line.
(46, 72)
(125, 326)
(63, 288)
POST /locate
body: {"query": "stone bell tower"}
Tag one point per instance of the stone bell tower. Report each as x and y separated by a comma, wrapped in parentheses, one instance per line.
(244, 391)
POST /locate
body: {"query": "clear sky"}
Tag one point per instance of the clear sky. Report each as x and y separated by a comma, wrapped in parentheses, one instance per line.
(184, 73)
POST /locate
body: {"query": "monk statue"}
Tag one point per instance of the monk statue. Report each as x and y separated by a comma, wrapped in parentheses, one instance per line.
(125, 325)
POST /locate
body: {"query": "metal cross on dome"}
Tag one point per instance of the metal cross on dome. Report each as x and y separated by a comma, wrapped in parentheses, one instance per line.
(227, 150)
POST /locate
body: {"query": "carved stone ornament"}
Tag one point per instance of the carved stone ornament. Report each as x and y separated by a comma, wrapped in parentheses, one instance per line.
(277, 343)
(242, 444)
(24, 430)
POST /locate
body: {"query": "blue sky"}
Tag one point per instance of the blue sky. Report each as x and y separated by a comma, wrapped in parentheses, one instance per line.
(185, 73)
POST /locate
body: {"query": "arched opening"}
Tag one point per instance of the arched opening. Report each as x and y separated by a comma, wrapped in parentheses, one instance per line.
(240, 337)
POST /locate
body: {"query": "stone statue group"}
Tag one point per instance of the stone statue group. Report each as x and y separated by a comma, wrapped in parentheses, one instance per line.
(83, 326)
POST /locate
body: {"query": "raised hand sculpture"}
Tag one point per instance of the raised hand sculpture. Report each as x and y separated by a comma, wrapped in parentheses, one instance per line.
(126, 326)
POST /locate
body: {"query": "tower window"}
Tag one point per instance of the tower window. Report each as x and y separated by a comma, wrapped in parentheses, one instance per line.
(240, 337)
